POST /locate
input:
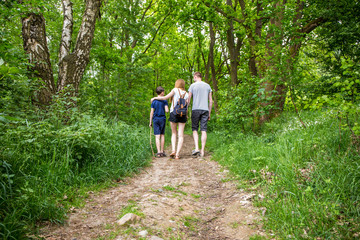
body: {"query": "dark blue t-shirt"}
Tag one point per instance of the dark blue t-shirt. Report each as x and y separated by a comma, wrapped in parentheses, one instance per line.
(159, 108)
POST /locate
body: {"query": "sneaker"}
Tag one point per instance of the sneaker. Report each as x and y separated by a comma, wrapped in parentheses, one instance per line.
(195, 152)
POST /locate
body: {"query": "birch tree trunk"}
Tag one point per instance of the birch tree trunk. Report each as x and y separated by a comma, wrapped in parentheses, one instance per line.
(67, 30)
(72, 66)
(35, 45)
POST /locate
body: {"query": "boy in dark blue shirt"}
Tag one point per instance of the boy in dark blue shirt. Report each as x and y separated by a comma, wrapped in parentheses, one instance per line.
(158, 119)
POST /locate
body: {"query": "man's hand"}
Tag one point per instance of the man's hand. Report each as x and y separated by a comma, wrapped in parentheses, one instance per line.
(209, 117)
(150, 125)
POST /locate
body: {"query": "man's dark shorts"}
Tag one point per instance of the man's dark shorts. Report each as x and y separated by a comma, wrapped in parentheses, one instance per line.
(159, 126)
(176, 119)
(201, 116)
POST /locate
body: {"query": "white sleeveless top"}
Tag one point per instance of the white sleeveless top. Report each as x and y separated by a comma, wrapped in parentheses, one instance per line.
(177, 96)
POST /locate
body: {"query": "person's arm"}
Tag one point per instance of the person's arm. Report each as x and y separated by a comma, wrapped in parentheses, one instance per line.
(188, 103)
(151, 117)
(210, 103)
(166, 108)
(165, 97)
(189, 97)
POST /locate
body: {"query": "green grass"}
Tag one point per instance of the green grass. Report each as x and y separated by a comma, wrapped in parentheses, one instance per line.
(196, 196)
(169, 188)
(44, 170)
(132, 207)
(190, 222)
(174, 189)
(310, 177)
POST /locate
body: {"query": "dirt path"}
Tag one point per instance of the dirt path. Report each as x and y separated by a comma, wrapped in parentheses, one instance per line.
(190, 198)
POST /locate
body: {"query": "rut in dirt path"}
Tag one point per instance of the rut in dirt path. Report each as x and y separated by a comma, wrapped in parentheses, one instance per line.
(190, 198)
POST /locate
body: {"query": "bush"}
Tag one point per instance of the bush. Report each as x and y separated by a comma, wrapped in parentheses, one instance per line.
(41, 165)
(309, 176)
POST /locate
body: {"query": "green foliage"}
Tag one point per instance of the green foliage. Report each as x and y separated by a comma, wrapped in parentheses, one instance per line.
(329, 80)
(341, 31)
(15, 87)
(309, 176)
(42, 165)
(237, 108)
(139, 45)
(124, 76)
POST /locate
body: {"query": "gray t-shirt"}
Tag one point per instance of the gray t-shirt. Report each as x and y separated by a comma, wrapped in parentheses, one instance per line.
(200, 92)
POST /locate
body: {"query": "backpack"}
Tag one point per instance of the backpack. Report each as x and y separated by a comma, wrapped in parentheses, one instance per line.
(180, 109)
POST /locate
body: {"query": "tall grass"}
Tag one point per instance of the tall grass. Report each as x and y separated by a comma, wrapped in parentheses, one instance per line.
(43, 168)
(310, 177)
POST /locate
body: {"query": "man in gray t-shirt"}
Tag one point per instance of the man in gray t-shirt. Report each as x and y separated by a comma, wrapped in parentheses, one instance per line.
(201, 111)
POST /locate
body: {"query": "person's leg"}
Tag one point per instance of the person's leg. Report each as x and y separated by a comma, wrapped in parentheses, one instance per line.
(203, 128)
(181, 138)
(157, 140)
(162, 142)
(195, 118)
(162, 137)
(173, 135)
(196, 140)
(203, 142)
(157, 134)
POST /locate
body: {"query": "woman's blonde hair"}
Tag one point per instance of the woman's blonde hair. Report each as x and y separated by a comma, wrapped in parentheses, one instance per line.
(180, 83)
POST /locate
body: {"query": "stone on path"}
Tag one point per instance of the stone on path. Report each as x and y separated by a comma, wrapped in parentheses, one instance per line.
(143, 233)
(128, 218)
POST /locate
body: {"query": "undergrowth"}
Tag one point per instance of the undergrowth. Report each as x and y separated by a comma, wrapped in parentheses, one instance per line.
(44, 168)
(310, 177)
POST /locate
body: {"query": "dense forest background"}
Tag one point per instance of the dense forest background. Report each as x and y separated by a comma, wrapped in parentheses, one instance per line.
(76, 78)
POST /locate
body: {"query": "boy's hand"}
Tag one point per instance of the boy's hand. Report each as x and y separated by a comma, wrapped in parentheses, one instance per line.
(150, 125)
(152, 99)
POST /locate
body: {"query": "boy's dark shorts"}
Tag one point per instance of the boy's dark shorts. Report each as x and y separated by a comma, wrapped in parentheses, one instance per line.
(201, 116)
(176, 119)
(159, 126)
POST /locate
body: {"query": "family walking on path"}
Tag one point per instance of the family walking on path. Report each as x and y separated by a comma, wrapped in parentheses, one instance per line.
(180, 100)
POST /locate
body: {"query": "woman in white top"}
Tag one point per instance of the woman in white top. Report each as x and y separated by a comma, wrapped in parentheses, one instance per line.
(175, 119)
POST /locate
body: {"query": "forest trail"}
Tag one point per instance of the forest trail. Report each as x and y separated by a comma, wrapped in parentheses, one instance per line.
(190, 198)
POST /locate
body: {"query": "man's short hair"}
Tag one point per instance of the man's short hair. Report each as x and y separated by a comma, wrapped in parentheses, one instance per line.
(159, 90)
(198, 74)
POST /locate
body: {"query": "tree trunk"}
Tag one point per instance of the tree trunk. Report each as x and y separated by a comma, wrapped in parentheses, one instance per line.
(274, 88)
(252, 59)
(233, 55)
(65, 42)
(35, 45)
(212, 65)
(252, 63)
(72, 66)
